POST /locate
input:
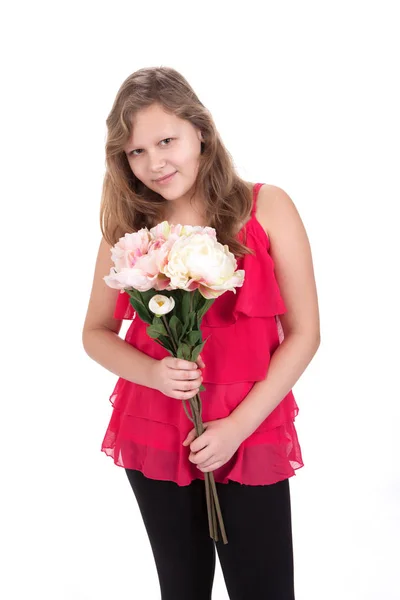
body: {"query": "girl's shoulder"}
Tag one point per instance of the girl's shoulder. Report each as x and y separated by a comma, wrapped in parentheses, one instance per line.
(290, 251)
(275, 209)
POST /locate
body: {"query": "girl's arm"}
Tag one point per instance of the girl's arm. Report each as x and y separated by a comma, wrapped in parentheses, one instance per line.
(287, 364)
(100, 331)
(291, 253)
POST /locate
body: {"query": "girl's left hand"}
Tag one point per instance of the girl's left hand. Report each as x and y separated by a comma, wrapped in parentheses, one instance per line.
(215, 446)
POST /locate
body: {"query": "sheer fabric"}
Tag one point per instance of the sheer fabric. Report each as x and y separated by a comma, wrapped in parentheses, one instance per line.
(147, 428)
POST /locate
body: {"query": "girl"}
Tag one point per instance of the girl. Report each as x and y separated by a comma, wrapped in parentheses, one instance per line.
(166, 161)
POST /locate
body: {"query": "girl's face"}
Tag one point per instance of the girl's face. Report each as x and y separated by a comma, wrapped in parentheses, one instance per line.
(163, 144)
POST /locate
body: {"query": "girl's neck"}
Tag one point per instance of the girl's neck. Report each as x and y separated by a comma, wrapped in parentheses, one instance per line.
(192, 214)
(188, 215)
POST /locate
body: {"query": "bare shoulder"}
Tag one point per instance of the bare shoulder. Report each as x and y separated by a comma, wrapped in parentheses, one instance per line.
(274, 204)
(291, 253)
(102, 298)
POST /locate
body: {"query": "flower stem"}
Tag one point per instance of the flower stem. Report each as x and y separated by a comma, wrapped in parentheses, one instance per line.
(211, 490)
(167, 327)
(209, 507)
(211, 495)
(186, 410)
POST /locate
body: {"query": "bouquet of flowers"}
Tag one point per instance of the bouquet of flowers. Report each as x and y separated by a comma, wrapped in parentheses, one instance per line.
(173, 274)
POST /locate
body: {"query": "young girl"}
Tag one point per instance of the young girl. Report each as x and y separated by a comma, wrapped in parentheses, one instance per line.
(166, 161)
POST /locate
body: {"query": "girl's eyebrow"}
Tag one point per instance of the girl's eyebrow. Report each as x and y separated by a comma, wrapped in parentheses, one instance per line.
(159, 138)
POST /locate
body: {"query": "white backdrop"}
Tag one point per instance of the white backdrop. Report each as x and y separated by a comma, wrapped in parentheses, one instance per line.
(305, 97)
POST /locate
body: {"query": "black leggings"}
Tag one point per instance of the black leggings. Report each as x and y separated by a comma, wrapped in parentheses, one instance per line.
(257, 562)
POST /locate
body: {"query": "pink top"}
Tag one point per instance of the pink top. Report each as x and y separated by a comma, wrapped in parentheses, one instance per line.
(147, 428)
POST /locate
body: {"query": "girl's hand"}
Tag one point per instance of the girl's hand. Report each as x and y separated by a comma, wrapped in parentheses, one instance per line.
(215, 446)
(177, 378)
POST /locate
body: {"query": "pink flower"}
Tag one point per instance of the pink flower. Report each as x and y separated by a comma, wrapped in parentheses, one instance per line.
(165, 231)
(169, 257)
(127, 254)
(129, 278)
(130, 248)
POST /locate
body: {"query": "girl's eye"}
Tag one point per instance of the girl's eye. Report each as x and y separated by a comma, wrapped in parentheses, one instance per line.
(132, 152)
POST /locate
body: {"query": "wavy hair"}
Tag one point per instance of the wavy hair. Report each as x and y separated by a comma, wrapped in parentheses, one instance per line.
(127, 204)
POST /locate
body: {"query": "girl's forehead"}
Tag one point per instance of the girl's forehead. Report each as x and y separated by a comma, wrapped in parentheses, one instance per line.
(147, 130)
(153, 115)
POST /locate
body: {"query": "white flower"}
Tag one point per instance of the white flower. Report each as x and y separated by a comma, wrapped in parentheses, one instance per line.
(161, 305)
(199, 261)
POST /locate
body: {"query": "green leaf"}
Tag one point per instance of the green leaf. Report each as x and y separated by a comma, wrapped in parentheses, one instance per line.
(184, 351)
(167, 344)
(200, 302)
(159, 326)
(152, 332)
(204, 309)
(192, 321)
(147, 296)
(140, 296)
(196, 351)
(193, 338)
(202, 388)
(186, 303)
(133, 293)
(188, 324)
(176, 327)
(162, 345)
(143, 313)
(178, 309)
(193, 301)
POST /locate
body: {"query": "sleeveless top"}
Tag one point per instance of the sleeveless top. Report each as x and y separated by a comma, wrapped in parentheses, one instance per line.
(147, 428)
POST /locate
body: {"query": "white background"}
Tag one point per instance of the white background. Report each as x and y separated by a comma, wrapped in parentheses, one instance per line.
(304, 95)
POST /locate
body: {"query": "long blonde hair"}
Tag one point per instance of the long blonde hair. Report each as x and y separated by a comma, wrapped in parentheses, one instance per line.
(127, 204)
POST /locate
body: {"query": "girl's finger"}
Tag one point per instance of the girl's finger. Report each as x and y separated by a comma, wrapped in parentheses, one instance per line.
(200, 362)
(212, 467)
(190, 437)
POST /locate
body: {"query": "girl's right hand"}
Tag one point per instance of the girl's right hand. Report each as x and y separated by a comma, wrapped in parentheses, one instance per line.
(177, 378)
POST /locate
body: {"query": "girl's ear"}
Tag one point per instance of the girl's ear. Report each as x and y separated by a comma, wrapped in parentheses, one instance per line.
(201, 139)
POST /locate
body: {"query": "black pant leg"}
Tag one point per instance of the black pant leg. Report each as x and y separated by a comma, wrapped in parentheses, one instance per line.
(257, 563)
(176, 522)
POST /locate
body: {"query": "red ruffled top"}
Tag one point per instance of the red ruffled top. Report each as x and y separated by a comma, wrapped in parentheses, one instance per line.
(147, 428)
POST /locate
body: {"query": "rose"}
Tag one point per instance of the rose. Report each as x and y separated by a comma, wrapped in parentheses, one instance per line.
(161, 305)
(198, 260)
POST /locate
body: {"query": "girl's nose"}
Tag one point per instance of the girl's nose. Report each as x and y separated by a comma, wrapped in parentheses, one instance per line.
(156, 164)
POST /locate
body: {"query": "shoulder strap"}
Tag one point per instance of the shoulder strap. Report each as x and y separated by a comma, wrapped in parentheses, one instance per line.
(256, 189)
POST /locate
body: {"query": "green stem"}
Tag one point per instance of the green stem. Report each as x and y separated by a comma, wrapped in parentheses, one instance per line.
(167, 327)
(211, 496)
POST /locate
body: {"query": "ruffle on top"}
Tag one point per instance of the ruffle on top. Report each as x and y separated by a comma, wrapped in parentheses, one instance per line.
(147, 428)
(242, 325)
